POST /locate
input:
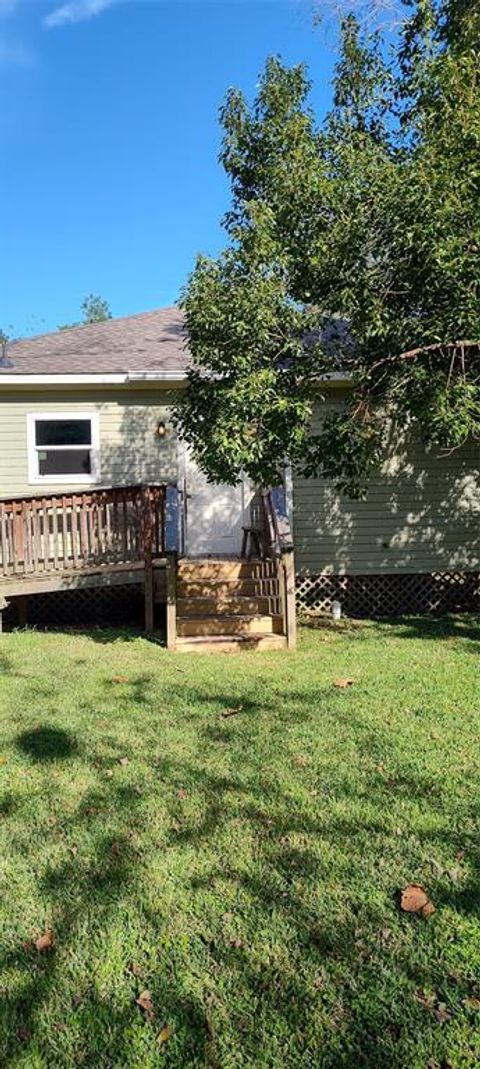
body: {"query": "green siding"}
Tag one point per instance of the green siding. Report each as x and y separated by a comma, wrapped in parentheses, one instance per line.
(422, 514)
(129, 450)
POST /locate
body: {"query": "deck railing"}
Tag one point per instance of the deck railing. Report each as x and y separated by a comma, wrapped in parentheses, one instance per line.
(78, 530)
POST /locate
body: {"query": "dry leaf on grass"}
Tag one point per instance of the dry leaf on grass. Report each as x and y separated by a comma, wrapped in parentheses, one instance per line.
(74, 851)
(343, 683)
(429, 1001)
(123, 761)
(164, 1034)
(442, 1014)
(144, 1000)
(135, 969)
(233, 711)
(414, 899)
(459, 856)
(109, 773)
(472, 1002)
(23, 1035)
(120, 679)
(182, 793)
(300, 761)
(45, 941)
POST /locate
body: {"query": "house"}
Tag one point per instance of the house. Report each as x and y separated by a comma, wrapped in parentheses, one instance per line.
(94, 481)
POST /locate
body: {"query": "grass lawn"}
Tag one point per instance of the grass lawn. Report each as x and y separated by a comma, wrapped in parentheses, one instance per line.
(244, 870)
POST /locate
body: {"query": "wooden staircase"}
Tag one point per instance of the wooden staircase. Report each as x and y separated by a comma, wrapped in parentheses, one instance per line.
(227, 605)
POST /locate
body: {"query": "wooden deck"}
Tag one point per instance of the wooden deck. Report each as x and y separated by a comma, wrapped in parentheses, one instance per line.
(118, 535)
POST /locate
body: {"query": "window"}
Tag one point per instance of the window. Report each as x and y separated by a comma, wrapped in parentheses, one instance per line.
(63, 447)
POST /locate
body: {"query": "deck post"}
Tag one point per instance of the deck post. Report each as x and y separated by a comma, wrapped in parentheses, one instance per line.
(288, 568)
(147, 542)
(3, 606)
(171, 600)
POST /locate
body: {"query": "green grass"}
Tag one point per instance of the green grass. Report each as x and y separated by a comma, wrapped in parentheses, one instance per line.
(247, 867)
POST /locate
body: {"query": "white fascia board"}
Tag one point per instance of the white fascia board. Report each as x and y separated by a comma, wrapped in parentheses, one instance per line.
(92, 380)
(173, 378)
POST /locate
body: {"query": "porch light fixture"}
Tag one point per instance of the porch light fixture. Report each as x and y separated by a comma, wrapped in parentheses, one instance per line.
(160, 430)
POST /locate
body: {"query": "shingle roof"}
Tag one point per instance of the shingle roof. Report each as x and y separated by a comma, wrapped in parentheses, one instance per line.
(150, 341)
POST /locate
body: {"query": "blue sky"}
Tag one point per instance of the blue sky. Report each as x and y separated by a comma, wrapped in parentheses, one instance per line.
(109, 180)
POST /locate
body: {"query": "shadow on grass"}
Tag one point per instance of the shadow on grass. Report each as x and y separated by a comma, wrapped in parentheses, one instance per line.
(366, 1029)
(447, 626)
(47, 744)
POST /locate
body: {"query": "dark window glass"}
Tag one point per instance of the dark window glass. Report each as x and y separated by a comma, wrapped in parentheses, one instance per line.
(62, 432)
(64, 462)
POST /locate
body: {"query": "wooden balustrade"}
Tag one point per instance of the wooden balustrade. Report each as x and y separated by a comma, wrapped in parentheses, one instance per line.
(55, 533)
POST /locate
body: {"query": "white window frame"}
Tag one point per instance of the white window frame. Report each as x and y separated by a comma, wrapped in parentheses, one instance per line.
(33, 450)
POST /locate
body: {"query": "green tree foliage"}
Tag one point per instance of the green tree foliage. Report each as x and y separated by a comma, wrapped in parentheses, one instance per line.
(95, 310)
(350, 244)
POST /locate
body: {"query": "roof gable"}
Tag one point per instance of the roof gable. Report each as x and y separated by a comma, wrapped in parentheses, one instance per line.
(153, 342)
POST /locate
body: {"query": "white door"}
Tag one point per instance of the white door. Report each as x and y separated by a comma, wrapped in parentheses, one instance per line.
(213, 515)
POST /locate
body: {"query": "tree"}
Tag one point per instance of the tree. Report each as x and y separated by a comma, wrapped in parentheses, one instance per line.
(95, 310)
(354, 246)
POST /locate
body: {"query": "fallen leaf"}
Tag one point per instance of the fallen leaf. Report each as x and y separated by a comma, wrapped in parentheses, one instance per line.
(472, 1002)
(233, 711)
(136, 969)
(144, 1000)
(120, 679)
(123, 761)
(300, 761)
(227, 917)
(164, 1034)
(442, 1014)
(74, 850)
(414, 899)
(109, 773)
(23, 1035)
(45, 941)
(182, 793)
(454, 874)
(459, 856)
(342, 683)
(428, 1001)
(237, 943)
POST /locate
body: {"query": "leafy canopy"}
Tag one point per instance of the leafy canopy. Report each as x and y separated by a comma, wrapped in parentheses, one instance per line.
(350, 243)
(95, 310)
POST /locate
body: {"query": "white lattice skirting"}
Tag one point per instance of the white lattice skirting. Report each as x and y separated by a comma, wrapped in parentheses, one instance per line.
(389, 595)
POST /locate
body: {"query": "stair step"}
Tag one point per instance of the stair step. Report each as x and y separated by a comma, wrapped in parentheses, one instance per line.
(213, 588)
(228, 625)
(218, 568)
(230, 643)
(235, 605)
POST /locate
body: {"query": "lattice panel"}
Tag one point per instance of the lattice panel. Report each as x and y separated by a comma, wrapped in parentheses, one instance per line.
(116, 606)
(389, 595)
